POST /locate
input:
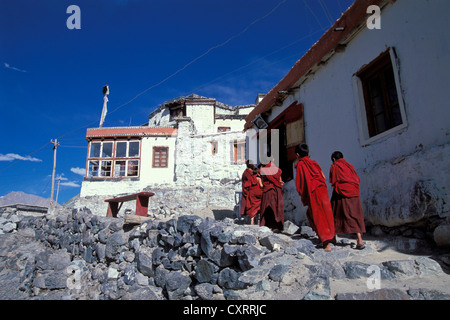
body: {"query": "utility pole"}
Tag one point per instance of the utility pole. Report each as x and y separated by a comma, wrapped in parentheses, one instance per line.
(55, 146)
(57, 189)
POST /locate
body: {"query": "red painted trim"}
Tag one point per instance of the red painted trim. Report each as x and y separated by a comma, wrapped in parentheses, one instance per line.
(130, 131)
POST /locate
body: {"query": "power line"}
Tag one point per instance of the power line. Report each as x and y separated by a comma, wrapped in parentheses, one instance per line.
(327, 12)
(202, 55)
(314, 15)
(13, 163)
(167, 78)
(255, 61)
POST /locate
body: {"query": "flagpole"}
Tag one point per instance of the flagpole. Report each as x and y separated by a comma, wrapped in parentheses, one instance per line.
(105, 101)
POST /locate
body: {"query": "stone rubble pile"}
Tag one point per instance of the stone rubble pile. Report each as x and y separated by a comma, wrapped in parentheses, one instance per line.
(78, 255)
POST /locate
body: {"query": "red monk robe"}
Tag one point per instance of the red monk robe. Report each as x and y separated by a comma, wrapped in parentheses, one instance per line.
(246, 183)
(345, 201)
(272, 204)
(312, 189)
(251, 194)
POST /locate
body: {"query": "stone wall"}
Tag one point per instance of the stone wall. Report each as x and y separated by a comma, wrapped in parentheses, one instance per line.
(408, 189)
(77, 255)
(169, 201)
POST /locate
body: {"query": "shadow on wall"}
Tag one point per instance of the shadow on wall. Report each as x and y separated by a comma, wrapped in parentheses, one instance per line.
(220, 214)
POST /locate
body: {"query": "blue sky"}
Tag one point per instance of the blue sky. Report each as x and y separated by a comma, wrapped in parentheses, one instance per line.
(147, 51)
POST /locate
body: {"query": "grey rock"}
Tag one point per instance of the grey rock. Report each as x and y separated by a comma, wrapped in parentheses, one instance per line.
(147, 293)
(275, 242)
(56, 280)
(401, 267)
(204, 271)
(141, 279)
(129, 275)
(290, 228)
(277, 272)
(114, 243)
(176, 284)
(229, 279)
(380, 294)
(206, 243)
(204, 291)
(188, 223)
(249, 257)
(100, 250)
(356, 270)
(307, 232)
(319, 289)
(145, 263)
(9, 227)
(255, 275)
(427, 294)
(428, 267)
(441, 236)
(160, 276)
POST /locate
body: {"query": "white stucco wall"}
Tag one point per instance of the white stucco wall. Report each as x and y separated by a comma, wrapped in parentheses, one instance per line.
(203, 117)
(418, 30)
(153, 176)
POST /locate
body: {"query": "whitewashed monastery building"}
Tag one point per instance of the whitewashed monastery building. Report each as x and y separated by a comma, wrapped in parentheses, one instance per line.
(187, 141)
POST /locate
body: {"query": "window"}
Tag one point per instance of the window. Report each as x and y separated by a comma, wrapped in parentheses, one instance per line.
(105, 169)
(238, 152)
(120, 168)
(121, 149)
(127, 149)
(214, 147)
(113, 159)
(95, 149)
(107, 149)
(223, 129)
(177, 112)
(160, 157)
(93, 168)
(381, 106)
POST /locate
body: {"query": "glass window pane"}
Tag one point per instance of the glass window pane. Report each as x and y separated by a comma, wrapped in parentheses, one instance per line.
(93, 168)
(95, 149)
(107, 150)
(133, 150)
(133, 168)
(119, 168)
(121, 149)
(105, 170)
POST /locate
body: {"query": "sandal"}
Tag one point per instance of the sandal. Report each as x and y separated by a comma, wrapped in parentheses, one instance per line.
(360, 247)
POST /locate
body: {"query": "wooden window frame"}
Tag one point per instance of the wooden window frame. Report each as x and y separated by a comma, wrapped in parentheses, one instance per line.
(177, 112)
(367, 132)
(239, 145)
(154, 164)
(103, 163)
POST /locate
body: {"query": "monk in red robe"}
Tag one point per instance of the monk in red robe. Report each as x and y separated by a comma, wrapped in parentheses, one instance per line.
(272, 204)
(345, 201)
(251, 192)
(311, 186)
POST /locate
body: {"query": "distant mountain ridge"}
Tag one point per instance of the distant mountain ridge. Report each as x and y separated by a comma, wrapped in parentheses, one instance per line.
(19, 197)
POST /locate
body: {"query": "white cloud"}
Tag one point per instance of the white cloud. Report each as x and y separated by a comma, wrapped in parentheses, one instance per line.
(80, 171)
(70, 184)
(7, 65)
(13, 156)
